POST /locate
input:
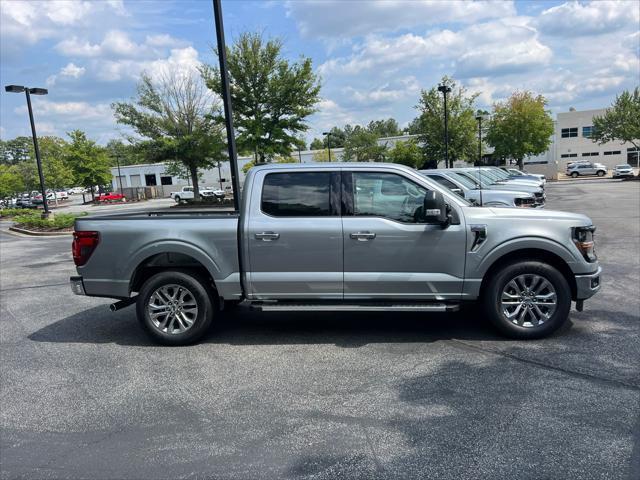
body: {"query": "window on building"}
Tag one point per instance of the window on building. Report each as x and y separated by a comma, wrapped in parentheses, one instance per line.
(150, 180)
(613, 152)
(569, 132)
(166, 180)
(590, 154)
(297, 194)
(587, 131)
(568, 155)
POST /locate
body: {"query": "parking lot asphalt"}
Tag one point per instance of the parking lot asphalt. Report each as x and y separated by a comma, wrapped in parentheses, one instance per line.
(85, 394)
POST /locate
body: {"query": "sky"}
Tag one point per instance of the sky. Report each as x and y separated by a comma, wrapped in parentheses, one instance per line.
(373, 57)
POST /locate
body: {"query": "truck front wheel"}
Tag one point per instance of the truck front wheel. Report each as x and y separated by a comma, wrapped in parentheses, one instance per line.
(527, 299)
(175, 307)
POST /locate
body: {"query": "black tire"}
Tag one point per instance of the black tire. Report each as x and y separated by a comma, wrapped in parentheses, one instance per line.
(574, 174)
(177, 198)
(493, 290)
(200, 292)
(601, 173)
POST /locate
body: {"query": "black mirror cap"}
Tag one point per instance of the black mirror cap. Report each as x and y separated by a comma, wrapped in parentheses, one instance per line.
(435, 208)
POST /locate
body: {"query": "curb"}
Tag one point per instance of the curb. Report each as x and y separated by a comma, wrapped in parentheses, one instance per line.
(39, 234)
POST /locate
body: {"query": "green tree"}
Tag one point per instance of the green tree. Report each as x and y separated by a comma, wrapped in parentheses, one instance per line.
(406, 153)
(180, 120)
(385, 128)
(271, 97)
(362, 146)
(321, 155)
(55, 167)
(429, 125)
(316, 144)
(16, 150)
(620, 122)
(11, 182)
(520, 127)
(89, 162)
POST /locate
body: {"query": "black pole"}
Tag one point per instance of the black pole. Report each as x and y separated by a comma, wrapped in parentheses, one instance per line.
(220, 176)
(226, 99)
(446, 132)
(119, 175)
(329, 144)
(299, 155)
(37, 150)
(479, 140)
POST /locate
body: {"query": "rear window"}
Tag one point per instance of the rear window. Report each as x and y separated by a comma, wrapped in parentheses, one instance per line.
(304, 194)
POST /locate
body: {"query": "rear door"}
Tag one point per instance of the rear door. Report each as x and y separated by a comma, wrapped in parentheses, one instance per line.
(295, 235)
(388, 252)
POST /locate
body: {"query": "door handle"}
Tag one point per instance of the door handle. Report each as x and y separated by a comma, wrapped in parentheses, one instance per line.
(267, 236)
(363, 236)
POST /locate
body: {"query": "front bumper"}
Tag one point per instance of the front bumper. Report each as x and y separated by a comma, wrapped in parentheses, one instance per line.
(588, 285)
(77, 285)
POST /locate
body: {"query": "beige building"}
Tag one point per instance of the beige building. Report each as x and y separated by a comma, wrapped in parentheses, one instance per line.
(573, 142)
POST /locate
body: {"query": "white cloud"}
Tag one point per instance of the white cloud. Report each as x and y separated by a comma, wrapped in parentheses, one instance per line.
(70, 70)
(348, 18)
(384, 95)
(497, 47)
(574, 19)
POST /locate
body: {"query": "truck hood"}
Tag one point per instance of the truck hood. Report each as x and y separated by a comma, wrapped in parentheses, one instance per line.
(531, 214)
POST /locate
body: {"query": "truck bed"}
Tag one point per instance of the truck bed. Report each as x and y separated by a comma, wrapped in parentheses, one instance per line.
(129, 241)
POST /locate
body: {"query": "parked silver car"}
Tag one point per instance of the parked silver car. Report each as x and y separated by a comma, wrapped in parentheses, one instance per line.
(578, 169)
(521, 174)
(487, 181)
(461, 185)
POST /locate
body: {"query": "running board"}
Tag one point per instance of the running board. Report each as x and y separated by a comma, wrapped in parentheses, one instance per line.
(350, 307)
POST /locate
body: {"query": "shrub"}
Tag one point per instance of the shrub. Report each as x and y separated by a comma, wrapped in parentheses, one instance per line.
(59, 221)
(16, 212)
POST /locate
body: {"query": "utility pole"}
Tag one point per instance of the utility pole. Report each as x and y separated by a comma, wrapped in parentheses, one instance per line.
(445, 89)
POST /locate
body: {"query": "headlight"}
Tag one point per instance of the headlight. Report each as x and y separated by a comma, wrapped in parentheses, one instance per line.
(583, 238)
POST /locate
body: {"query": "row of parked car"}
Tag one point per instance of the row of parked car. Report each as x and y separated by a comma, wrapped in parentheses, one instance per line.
(493, 186)
(33, 199)
(586, 168)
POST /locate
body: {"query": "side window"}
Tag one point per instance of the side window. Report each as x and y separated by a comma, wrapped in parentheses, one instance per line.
(387, 195)
(445, 182)
(305, 194)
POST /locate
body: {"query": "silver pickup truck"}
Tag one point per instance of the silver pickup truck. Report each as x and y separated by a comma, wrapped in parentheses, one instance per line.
(340, 237)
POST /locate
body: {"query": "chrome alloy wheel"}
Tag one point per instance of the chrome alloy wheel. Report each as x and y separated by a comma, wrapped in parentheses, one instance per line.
(172, 309)
(528, 300)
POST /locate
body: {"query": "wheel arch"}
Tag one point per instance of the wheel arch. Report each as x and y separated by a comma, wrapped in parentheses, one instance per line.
(535, 254)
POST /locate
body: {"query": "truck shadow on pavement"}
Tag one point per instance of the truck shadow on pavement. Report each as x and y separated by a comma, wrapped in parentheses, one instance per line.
(242, 326)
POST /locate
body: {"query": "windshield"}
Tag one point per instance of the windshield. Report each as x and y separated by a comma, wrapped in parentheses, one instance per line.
(485, 182)
(626, 165)
(497, 172)
(464, 180)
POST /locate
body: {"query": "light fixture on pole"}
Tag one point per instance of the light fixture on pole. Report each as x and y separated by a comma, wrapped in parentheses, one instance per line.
(445, 89)
(328, 134)
(28, 92)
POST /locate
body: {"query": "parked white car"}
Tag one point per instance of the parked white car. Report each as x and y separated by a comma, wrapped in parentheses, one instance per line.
(623, 170)
(76, 190)
(186, 194)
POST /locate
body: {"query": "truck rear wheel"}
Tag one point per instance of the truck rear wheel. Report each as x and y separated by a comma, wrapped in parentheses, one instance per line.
(175, 307)
(527, 300)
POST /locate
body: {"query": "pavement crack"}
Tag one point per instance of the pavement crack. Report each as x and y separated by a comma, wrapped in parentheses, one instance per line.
(33, 286)
(536, 363)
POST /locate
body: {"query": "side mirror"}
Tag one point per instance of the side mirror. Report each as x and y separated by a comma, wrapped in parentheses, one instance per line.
(435, 209)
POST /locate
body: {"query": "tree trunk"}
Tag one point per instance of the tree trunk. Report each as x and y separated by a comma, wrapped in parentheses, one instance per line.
(193, 171)
(521, 163)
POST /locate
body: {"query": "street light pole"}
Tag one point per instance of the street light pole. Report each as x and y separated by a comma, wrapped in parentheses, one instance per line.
(479, 119)
(445, 89)
(119, 174)
(36, 91)
(226, 100)
(328, 134)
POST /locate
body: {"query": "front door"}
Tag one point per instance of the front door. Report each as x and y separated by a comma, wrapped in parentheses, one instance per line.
(388, 252)
(295, 236)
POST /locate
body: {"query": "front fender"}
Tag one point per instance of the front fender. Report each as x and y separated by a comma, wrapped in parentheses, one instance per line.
(479, 265)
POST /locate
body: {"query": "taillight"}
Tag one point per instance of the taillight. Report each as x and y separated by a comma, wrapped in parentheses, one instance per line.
(84, 243)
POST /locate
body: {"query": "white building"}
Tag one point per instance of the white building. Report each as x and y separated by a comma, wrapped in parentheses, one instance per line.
(573, 142)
